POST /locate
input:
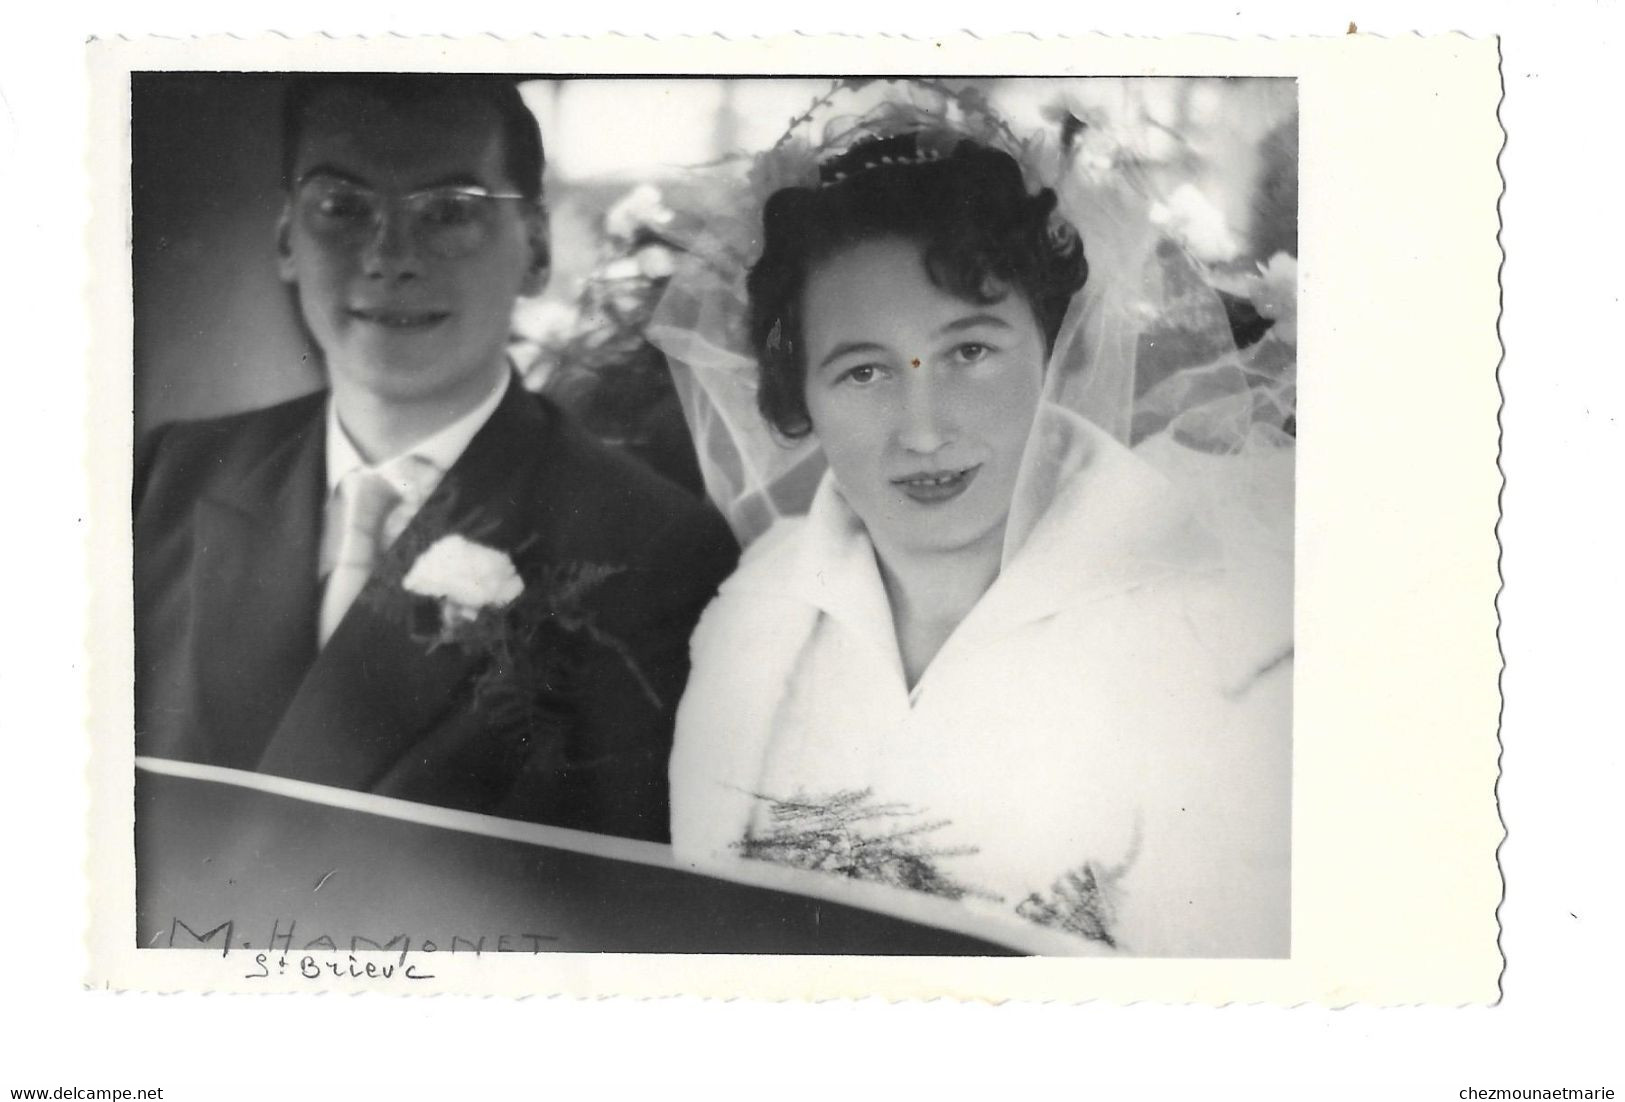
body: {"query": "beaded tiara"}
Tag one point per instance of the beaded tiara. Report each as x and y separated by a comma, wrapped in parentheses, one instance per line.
(904, 149)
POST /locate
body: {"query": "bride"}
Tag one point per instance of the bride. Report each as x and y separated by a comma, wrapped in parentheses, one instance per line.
(1001, 659)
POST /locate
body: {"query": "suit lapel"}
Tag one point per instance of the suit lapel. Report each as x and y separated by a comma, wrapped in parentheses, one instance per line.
(254, 599)
(375, 689)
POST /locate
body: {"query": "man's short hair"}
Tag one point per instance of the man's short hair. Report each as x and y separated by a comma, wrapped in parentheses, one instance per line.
(521, 138)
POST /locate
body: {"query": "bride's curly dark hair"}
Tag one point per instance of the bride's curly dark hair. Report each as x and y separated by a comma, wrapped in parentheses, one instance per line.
(980, 232)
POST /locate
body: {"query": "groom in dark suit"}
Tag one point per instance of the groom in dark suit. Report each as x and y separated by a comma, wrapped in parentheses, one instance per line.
(424, 581)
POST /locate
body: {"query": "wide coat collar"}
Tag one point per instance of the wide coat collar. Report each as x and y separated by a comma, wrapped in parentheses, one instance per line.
(254, 587)
(1112, 523)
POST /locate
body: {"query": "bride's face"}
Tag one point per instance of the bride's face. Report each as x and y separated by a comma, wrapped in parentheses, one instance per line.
(921, 400)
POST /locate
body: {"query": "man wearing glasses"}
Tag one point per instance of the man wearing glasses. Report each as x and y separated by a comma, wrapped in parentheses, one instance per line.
(422, 582)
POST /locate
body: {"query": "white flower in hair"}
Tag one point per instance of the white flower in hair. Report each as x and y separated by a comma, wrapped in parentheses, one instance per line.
(466, 577)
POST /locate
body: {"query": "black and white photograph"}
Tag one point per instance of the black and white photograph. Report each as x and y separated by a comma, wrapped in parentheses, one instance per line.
(786, 551)
(865, 535)
(888, 480)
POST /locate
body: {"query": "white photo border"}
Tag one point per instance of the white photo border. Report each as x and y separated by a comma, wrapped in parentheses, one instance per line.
(1395, 826)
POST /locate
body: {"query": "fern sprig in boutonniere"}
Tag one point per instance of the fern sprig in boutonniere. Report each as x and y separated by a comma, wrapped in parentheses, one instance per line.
(450, 586)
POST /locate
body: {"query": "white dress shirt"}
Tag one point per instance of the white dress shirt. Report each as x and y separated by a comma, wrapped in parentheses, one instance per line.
(414, 473)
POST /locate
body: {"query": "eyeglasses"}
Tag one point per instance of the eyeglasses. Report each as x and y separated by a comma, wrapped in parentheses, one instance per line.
(449, 222)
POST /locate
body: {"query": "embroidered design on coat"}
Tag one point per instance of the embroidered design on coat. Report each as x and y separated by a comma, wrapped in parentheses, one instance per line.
(851, 834)
(1083, 900)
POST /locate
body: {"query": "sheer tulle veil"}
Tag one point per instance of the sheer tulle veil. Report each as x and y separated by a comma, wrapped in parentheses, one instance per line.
(1147, 351)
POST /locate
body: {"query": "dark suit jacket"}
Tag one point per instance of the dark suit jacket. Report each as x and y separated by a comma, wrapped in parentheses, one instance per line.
(566, 719)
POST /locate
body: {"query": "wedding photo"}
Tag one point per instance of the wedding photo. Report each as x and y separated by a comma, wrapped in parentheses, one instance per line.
(713, 515)
(716, 554)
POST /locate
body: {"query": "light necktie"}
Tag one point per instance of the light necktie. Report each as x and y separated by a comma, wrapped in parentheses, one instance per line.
(366, 499)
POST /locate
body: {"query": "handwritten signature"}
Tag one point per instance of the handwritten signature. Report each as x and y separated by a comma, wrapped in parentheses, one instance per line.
(284, 954)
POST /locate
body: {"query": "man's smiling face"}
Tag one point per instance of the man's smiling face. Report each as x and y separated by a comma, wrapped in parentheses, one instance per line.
(400, 310)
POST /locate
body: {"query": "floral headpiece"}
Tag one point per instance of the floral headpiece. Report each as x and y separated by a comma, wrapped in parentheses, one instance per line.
(937, 115)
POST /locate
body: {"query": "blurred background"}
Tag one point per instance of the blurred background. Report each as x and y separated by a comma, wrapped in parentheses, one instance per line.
(215, 330)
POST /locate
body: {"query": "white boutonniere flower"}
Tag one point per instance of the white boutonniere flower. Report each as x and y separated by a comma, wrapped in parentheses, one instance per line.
(467, 578)
(485, 609)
